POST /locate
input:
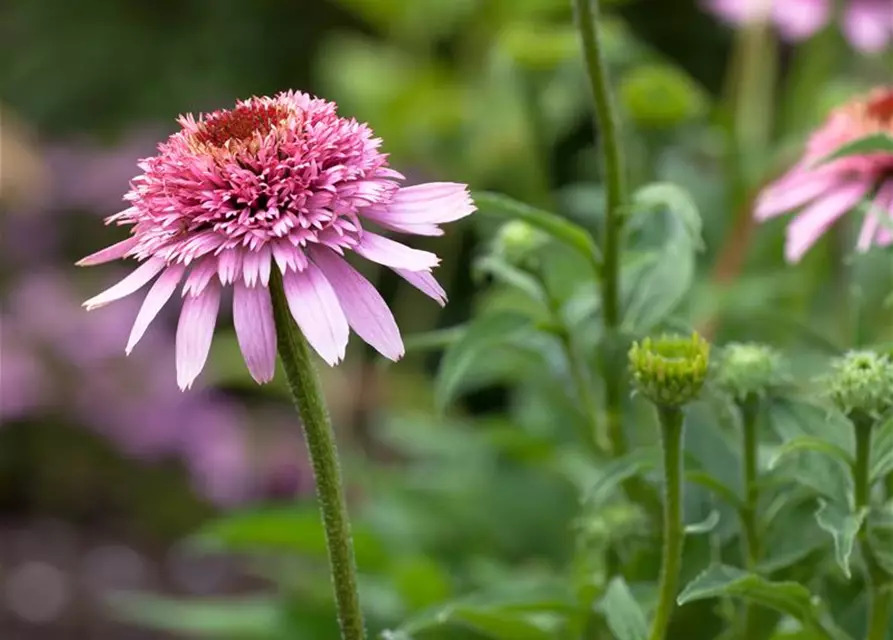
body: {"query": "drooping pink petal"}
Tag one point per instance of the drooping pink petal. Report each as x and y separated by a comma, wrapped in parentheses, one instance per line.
(868, 24)
(134, 282)
(422, 205)
(114, 252)
(365, 309)
(194, 333)
(393, 254)
(315, 306)
(158, 295)
(881, 210)
(793, 191)
(425, 282)
(255, 331)
(813, 221)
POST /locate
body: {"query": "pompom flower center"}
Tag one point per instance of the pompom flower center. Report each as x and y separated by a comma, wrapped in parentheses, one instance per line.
(239, 124)
(881, 109)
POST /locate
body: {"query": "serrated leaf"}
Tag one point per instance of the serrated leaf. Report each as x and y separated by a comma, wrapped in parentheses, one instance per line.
(236, 618)
(706, 525)
(623, 614)
(562, 230)
(882, 451)
(874, 143)
(482, 333)
(843, 525)
(810, 443)
(615, 472)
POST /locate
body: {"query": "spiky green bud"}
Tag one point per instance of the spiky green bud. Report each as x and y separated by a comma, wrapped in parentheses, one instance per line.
(748, 368)
(670, 370)
(861, 382)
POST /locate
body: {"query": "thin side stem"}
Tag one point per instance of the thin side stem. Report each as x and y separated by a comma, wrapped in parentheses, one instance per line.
(615, 190)
(671, 429)
(880, 595)
(591, 434)
(749, 408)
(308, 398)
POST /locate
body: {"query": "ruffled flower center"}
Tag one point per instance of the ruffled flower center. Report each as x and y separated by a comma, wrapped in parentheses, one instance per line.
(880, 109)
(240, 124)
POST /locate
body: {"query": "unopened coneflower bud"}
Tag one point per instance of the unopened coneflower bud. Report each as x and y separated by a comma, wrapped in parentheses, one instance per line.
(861, 383)
(670, 370)
(517, 242)
(748, 368)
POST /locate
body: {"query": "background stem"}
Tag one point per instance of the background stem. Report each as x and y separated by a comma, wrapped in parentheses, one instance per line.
(879, 584)
(749, 408)
(308, 398)
(671, 429)
(615, 189)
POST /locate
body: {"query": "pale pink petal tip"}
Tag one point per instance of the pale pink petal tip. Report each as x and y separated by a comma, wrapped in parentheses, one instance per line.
(815, 220)
(255, 329)
(114, 252)
(366, 311)
(314, 304)
(425, 282)
(158, 295)
(132, 283)
(194, 333)
(420, 208)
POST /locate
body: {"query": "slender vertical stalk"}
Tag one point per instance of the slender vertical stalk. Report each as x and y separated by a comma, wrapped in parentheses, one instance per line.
(615, 189)
(749, 408)
(671, 429)
(308, 398)
(880, 585)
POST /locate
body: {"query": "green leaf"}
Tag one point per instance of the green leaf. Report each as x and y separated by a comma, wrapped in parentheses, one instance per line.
(618, 470)
(810, 443)
(706, 525)
(791, 598)
(511, 276)
(874, 143)
(286, 529)
(623, 614)
(568, 233)
(843, 525)
(882, 451)
(653, 291)
(715, 485)
(460, 357)
(239, 619)
(433, 340)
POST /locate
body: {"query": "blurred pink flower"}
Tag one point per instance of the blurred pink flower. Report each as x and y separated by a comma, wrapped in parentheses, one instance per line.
(281, 180)
(867, 24)
(827, 191)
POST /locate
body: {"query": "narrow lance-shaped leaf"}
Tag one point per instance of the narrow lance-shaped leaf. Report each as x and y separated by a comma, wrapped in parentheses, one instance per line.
(706, 525)
(874, 143)
(810, 443)
(562, 230)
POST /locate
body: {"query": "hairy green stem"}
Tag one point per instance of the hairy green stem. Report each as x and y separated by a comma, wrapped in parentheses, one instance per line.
(749, 408)
(615, 190)
(671, 429)
(880, 586)
(308, 398)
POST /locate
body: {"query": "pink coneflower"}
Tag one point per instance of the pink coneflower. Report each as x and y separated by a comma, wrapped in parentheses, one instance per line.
(829, 190)
(867, 24)
(278, 181)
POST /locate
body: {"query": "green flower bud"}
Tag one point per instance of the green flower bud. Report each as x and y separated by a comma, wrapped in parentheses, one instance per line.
(861, 382)
(748, 368)
(661, 96)
(517, 241)
(670, 370)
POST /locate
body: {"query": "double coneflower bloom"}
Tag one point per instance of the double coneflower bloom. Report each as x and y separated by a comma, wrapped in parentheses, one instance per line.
(275, 183)
(826, 190)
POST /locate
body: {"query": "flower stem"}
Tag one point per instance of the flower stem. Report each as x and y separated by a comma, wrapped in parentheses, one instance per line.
(615, 189)
(671, 428)
(880, 586)
(308, 398)
(749, 408)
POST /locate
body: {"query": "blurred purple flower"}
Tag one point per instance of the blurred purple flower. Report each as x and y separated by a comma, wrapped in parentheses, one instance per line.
(867, 24)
